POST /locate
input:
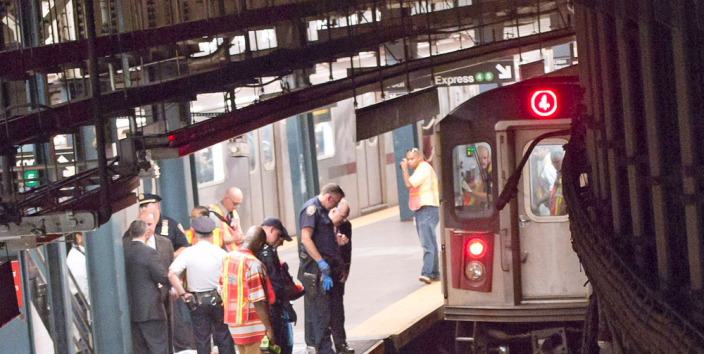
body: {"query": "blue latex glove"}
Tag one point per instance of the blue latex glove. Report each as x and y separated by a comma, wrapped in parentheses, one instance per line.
(324, 268)
(327, 282)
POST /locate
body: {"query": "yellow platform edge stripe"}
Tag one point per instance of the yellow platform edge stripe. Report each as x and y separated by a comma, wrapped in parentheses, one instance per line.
(398, 317)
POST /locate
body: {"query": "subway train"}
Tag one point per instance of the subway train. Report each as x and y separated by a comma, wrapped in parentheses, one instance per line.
(512, 281)
(366, 170)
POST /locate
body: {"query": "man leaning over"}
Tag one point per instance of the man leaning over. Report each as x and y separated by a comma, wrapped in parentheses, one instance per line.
(247, 293)
(321, 265)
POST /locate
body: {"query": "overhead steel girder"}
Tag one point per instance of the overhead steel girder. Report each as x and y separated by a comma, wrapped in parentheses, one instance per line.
(460, 17)
(65, 118)
(225, 126)
(17, 62)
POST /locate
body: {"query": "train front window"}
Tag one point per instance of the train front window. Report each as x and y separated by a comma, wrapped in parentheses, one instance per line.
(545, 181)
(472, 184)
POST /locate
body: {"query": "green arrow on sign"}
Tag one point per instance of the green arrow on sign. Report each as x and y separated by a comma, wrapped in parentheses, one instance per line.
(30, 175)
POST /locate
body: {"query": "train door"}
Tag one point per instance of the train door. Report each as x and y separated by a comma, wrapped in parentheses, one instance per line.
(369, 173)
(262, 174)
(550, 269)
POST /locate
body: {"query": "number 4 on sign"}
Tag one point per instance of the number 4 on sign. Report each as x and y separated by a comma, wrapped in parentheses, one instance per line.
(544, 105)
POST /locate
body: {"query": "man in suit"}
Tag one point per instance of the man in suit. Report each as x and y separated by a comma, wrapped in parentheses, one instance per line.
(165, 253)
(144, 274)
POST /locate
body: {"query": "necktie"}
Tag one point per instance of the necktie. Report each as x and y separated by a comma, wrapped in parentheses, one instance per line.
(229, 218)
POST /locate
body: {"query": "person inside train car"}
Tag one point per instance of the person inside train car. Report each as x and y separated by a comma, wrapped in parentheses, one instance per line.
(197, 211)
(282, 312)
(476, 186)
(321, 266)
(165, 254)
(226, 216)
(557, 202)
(143, 275)
(247, 294)
(203, 265)
(343, 232)
(165, 226)
(424, 201)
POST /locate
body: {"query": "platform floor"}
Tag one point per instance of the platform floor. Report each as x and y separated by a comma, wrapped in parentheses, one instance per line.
(383, 296)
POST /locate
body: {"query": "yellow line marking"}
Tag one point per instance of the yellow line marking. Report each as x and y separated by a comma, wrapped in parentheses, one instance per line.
(380, 215)
(397, 317)
(356, 222)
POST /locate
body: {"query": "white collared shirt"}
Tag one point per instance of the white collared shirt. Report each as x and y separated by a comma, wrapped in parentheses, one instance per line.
(203, 261)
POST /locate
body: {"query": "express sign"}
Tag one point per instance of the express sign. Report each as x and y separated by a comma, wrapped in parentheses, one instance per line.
(543, 103)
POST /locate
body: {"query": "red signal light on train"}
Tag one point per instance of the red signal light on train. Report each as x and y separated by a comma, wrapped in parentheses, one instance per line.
(543, 103)
(476, 247)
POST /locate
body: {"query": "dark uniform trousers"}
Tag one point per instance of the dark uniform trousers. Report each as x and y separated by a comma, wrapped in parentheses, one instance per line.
(207, 319)
(318, 308)
(282, 329)
(337, 314)
(148, 337)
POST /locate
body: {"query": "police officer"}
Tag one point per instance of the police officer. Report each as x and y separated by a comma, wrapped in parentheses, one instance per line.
(321, 265)
(165, 226)
(171, 229)
(281, 309)
(203, 263)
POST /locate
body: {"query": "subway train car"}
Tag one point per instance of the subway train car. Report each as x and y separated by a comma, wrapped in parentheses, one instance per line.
(512, 280)
(258, 163)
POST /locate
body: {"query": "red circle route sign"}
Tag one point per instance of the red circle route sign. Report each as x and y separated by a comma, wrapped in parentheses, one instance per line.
(543, 103)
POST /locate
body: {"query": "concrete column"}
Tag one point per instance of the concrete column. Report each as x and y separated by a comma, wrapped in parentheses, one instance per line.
(108, 291)
(405, 138)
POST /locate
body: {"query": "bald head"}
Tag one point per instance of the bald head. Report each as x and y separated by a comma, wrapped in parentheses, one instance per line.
(149, 218)
(232, 199)
(339, 214)
(254, 239)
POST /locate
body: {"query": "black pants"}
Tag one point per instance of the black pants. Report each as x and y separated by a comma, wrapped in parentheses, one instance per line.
(282, 328)
(337, 314)
(150, 337)
(317, 305)
(207, 320)
(182, 327)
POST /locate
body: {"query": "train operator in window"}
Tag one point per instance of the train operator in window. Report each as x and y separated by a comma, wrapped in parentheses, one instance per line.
(424, 200)
(476, 184)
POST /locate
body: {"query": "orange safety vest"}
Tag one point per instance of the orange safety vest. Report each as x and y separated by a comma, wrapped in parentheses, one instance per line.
(478, 186)
(556, 198)
(235, 288)
(214, 239)
(416, 192)
(226, 229)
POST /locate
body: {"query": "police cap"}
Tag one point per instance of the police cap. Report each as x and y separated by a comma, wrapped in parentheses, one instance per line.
(276, 223)
(203, 225)
(146, 198)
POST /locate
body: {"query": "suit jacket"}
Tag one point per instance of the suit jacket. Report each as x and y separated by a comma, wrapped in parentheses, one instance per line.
(143, 274)
(165, 250)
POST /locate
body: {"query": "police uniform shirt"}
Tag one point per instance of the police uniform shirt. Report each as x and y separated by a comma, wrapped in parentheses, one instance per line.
(204, 264)
(316, 217)
(172, 230)
(269, 257)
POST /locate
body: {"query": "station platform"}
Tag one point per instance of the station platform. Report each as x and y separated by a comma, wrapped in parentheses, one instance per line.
(386, 306)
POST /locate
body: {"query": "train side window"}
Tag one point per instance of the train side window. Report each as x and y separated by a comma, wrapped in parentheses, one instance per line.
(324, 134)
(267, 148)
(544, 182)
(472, 183)
(252, 152)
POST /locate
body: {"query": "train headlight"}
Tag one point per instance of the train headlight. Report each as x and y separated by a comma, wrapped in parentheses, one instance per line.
(475, 271)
